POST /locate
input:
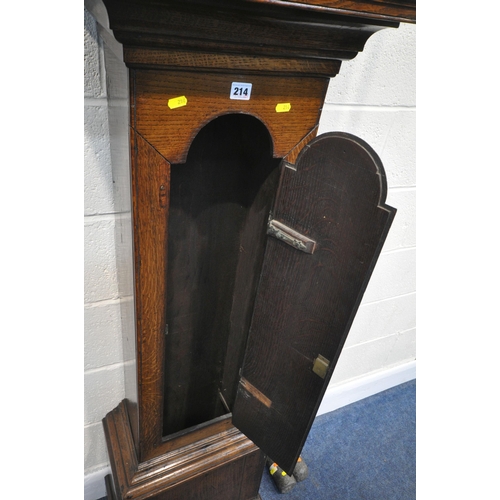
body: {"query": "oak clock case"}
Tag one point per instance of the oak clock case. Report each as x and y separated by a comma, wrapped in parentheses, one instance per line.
(254, 238)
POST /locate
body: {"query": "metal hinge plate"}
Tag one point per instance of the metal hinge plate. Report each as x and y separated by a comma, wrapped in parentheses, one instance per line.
(320, 366)
(290, 236)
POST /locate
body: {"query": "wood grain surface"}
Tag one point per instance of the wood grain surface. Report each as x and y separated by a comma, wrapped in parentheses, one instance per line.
(161, 135)
(224, 465)
(306, 302)
(206, 61)
(397, 10)
(171, 131)
(190, 52)
(220, 202)
(150, 192)
(261, 36)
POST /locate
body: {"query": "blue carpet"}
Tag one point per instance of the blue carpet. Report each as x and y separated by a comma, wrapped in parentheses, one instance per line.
(363, 451)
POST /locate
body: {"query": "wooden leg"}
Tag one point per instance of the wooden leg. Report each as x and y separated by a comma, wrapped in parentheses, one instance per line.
(110, 491)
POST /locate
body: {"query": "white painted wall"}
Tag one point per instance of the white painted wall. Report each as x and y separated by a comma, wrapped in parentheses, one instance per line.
(372, 97)
(108, 290)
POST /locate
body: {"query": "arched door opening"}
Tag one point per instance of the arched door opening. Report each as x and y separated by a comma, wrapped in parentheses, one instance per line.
(220, 201)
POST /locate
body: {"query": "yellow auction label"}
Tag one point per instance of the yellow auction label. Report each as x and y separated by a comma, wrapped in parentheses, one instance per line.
(283, 107)
(177, 102)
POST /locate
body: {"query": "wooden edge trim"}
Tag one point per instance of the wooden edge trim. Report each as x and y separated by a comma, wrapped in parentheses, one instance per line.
(210, 61)
(368, 10)
(150, 172)
(292, 155)
(247, 386)
(189, 436)
(121, 450)
(110, 490)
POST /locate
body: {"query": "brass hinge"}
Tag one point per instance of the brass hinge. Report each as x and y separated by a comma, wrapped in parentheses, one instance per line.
(320, 366)
(290, 236)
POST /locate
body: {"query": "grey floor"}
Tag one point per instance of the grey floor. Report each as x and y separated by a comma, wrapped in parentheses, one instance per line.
(363, 451)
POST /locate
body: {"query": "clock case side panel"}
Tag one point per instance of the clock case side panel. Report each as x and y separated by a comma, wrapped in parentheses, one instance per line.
(151, 181)
(150, 184)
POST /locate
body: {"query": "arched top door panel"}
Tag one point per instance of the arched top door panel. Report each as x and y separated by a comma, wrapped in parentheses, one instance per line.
(326, 230)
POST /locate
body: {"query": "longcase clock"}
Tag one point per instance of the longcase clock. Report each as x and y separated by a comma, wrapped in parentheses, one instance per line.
(254, 238)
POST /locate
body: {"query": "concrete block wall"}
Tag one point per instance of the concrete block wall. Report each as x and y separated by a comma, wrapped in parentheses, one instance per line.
(372, 97)
(108, 276)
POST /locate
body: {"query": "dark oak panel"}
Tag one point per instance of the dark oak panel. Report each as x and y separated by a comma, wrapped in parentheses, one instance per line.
(397, 10)
(250, 30)
(219, 204)
(206, 61)
(306, 301)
